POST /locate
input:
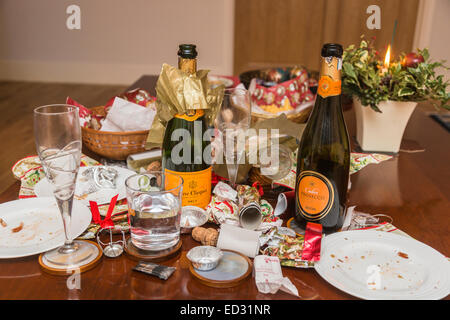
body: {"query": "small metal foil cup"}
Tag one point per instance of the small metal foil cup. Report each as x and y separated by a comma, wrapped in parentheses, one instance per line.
(192, 217)
(250, 216)
(204, 258)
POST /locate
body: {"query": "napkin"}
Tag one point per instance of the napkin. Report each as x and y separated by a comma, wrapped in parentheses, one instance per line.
(128, 116)
(238, 239)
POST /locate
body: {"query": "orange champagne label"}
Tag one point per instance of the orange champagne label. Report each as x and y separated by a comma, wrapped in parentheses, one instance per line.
(196, 187)
(314, 195)
(191, 115)
(330, 77)
(328, 87)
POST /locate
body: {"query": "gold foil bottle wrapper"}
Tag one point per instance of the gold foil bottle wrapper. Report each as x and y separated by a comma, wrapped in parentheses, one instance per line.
(176, 93)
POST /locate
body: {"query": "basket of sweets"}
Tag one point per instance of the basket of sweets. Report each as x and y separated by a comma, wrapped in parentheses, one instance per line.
(115, 145)
(288, 90)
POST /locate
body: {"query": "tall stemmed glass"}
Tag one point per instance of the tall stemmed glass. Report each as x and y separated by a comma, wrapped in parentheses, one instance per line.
(232, 122)
(57, 135)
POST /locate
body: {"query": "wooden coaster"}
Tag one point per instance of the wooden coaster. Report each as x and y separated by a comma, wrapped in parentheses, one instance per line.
(153, 256)
(65, 271)
(228, 283)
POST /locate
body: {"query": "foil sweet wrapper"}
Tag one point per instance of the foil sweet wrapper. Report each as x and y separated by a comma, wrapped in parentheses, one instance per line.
(312, 242)
(160, 271)
(219, 211)
(192, 217)
(138, 96)
(225, 191)
(204, 257)
(247, 194)
(286, 245)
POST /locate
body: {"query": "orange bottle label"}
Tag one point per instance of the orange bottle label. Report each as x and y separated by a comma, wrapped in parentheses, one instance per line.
(328, 87)
(314, 195)
(196, 187)
(191, 115)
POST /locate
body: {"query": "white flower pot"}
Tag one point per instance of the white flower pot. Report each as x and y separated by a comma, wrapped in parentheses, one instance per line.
(382, 132)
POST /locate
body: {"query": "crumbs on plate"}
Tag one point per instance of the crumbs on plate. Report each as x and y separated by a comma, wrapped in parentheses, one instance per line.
(17, 229)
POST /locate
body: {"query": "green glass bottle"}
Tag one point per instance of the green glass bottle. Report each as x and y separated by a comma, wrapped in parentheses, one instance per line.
(323, 162)
(183, 150)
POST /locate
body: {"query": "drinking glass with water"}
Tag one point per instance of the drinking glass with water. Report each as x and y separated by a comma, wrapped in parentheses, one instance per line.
(154, 202)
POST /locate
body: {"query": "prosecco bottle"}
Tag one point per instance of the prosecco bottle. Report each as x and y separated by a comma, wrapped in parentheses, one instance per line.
(184, 147)
(324, 153)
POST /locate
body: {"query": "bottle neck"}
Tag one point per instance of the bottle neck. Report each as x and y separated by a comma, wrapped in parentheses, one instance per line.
(187, 65)
(330, 77)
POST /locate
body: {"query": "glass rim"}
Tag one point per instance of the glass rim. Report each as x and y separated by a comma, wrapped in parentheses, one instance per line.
(71, 108)
(180, 185)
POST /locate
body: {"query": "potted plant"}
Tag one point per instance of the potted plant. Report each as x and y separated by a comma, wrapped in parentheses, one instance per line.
(386, 93)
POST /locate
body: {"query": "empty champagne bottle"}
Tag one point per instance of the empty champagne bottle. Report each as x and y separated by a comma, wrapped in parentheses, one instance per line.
(184, 146)
(324, 153)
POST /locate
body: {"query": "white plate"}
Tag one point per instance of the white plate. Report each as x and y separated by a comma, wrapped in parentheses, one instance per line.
(372, 265)
(43, 228)
(44, 189)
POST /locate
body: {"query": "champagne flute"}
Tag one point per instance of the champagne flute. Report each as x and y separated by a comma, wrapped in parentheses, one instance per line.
(232, 122)
(58, 142)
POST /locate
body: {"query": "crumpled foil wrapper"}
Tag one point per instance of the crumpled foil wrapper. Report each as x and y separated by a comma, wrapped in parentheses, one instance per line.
(288, 247)
(176, 93)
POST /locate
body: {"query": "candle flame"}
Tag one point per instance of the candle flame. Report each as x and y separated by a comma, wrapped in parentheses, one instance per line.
(387, 57)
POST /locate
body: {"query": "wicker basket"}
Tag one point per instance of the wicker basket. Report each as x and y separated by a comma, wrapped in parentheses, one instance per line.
(113, 145)
(299, 117)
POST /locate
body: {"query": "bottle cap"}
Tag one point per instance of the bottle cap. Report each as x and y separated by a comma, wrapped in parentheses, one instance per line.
(332, 50)
(187, 51)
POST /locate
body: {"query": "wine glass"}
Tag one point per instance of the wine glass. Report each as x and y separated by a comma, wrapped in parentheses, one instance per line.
(232, 122)
(58, 142)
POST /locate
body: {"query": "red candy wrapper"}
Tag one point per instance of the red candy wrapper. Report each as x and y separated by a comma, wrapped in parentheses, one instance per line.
(313, 239)
(137, 96)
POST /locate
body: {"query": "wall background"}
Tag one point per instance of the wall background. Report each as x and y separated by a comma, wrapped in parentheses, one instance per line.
(120, 40)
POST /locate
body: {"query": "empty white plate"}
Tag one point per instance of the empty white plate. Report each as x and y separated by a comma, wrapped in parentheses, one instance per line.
(380, 265)
(42, 226)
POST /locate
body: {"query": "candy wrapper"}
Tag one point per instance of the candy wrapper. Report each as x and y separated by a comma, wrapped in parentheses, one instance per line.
(225, 192)
(137, 96)
(247, 194)
(269, 277)
(312, 242)
(222, 211)
(286, 245)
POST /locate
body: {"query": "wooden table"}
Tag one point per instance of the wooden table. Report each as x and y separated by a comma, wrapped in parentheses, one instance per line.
(413, 188)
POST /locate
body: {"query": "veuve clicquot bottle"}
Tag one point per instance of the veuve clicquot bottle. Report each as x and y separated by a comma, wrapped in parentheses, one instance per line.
(324, 153)
(183, 150)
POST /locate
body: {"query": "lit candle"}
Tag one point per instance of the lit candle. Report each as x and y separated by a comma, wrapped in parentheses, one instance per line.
(387, 58)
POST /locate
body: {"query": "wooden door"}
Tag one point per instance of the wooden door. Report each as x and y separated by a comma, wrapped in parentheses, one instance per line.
(291, 32)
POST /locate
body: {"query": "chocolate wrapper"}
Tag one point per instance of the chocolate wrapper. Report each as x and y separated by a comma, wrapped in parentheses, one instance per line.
(178, 92)
(247, 194)
(225, 191)
(313, 239)
(219, 211)
(284, 245)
